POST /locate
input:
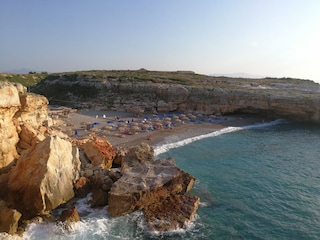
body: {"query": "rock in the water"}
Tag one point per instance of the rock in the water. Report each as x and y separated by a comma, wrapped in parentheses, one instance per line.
(69, 215)
(137, 154)
(100, 152)
(9, 219)
(171, 214)
(44, 177)
(145, 184)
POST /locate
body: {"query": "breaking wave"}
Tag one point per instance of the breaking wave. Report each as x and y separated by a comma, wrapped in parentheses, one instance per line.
(172, 143)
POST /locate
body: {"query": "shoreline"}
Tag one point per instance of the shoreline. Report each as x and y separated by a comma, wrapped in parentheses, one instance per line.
(114, 126)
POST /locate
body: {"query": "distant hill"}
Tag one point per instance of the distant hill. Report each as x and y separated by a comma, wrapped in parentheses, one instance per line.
(19, 71)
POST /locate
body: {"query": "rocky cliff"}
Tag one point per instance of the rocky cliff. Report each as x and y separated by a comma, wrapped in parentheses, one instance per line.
(40, 171)
(140, 91)
(18, 107)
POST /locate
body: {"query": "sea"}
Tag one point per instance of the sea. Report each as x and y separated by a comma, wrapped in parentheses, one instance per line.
(260, 181)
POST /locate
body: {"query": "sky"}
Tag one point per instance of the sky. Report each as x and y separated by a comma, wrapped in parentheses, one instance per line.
(267, 38)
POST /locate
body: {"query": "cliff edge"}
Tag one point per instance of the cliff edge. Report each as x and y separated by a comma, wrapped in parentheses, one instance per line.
(149, 91)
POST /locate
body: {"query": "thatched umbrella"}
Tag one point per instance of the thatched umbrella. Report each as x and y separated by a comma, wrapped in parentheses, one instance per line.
(177, 120)
(145, 126)
(185, 118)
(121, 129)
(135, 128)
(107, 127)
(167, 119)
(106, 132)
(122, 124)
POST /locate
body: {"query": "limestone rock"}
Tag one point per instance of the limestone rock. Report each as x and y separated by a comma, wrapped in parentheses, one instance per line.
(147, 183)
(100, 152)
(34, 110)
(44, 176)
(137, 154)
(171, 214)
(9, 105)
(29, 136)
(9, 219)
(9, 95)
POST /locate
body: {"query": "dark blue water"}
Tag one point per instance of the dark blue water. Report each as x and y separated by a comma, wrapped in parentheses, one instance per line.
(259, 183)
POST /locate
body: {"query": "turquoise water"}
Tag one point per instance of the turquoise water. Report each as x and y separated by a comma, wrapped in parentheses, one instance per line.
(262, 182)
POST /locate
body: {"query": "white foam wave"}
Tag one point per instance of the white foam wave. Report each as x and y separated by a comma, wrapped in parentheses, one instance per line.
(166, 147)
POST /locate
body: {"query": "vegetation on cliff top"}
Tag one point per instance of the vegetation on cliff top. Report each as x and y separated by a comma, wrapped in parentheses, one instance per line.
(130, 76)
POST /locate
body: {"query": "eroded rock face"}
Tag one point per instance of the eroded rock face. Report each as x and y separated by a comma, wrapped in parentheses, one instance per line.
(9, 219)
(29, 136)
(173, 213)
(100, 152)
(145, 184)
(9, 105)
(34, 110)
(43, 177)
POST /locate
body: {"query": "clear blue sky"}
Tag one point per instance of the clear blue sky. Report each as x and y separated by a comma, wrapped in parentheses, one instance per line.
(276, 38)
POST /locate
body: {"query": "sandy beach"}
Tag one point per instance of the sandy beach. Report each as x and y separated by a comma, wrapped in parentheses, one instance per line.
(123, 129)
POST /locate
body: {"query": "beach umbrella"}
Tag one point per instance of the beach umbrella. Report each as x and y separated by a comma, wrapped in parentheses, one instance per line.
(185, 118)
(145, 126)
(135, 128)
(121, 129)
(177, 120)
(175, 117)
(106, 132)
(107, 127)
(167, 119)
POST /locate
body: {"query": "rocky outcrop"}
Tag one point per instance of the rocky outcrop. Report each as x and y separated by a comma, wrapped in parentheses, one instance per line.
(9, 105)
(18, 107)
(34, 110)
(173, 213)
(145, 184)
(44, 176)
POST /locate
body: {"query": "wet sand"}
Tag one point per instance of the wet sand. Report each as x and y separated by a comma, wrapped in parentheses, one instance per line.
(116, 127)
